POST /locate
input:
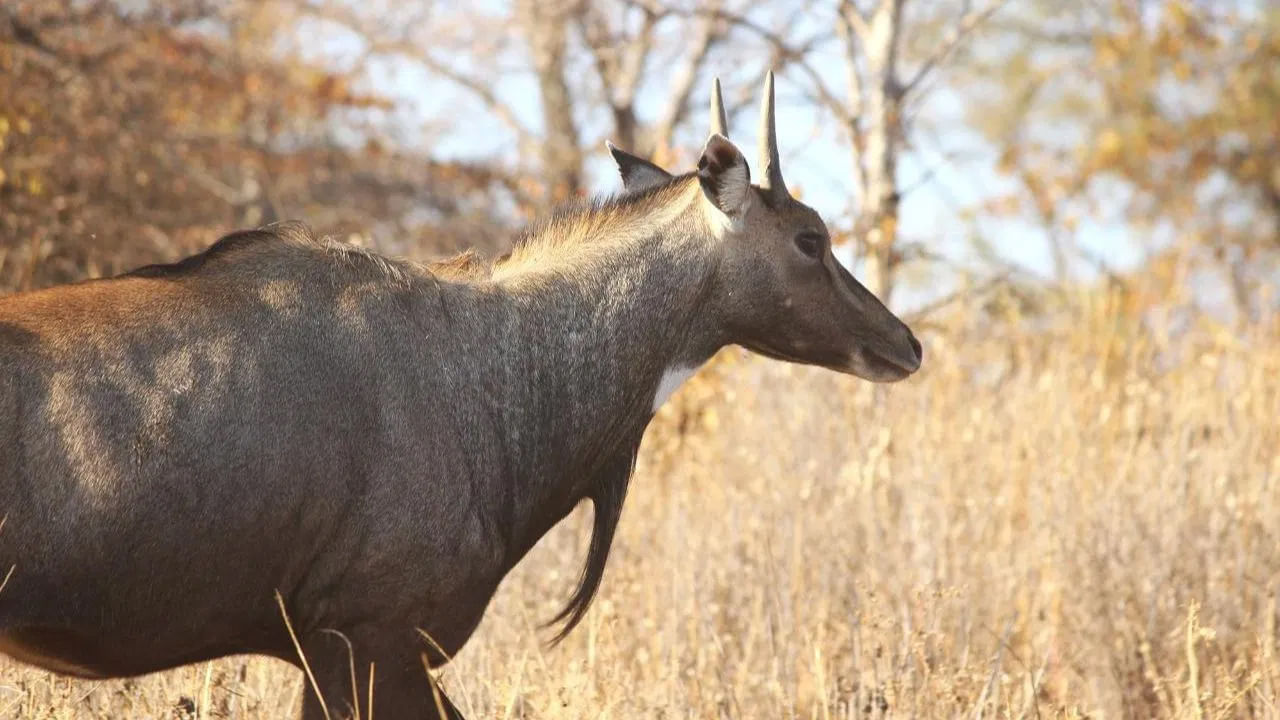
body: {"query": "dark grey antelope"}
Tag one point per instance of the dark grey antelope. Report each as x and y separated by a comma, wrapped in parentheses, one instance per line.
(281, 423)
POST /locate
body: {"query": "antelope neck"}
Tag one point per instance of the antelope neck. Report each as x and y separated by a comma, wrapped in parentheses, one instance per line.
(591, 350)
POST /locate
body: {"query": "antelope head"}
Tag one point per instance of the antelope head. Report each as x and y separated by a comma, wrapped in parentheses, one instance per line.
(777, 289)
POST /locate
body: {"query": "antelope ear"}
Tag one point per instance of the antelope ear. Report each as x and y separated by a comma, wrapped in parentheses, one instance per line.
(637, 173)
(724, 175)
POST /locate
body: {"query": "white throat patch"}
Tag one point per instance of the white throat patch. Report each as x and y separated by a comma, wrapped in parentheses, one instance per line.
(671, 380)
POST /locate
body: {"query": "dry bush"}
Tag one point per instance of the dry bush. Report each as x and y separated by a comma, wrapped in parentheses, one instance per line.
(1064, 516)
(133, 133)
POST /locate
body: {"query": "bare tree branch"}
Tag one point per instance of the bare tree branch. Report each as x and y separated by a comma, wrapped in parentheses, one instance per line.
(959, 32)
(599, 41)
(409, 50)
(709, 32)
(476, 87)
(29, 34)
(821, 95)
(856, 103)
(619, 68)
(967, 294)
(544, 26)
(787, 54)
(856, 19)
(853, 78)
(631, 69)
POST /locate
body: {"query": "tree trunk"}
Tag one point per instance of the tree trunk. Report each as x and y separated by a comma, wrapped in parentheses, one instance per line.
(545, 26)
(625, 130)
(882, 140)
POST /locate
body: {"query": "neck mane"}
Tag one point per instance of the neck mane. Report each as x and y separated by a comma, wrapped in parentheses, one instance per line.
(606, 312)
(576, 234)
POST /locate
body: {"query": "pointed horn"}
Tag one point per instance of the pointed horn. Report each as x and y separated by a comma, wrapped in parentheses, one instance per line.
(719, 120)
(770, 165)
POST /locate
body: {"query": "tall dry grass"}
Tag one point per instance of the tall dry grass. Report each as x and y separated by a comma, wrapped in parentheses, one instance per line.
(1073, 515)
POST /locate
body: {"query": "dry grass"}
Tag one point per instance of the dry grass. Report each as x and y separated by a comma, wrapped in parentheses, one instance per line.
(1068, 518)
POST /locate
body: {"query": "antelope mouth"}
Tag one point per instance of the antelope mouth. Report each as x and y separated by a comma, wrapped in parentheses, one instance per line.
(876, 365)
(864, 362)
(870, 366)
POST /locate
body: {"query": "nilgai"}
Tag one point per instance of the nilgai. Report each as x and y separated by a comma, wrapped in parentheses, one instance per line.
(287, 426)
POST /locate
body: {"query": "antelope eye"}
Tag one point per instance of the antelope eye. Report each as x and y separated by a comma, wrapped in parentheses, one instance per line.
(809, 243)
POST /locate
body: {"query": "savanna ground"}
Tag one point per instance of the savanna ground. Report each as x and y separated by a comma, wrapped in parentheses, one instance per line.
(1071, 514)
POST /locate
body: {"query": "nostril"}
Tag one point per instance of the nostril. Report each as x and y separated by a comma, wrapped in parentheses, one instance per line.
(915, 345)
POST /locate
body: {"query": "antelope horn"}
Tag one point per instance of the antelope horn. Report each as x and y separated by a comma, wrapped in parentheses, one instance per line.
(770, 165)
(719, 121)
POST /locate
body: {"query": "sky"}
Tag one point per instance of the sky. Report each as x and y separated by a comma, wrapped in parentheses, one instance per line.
(959, 165)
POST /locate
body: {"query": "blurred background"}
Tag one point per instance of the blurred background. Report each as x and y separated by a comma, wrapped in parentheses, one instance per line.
(1072, 511)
